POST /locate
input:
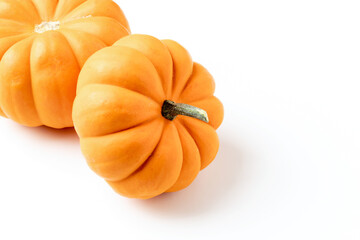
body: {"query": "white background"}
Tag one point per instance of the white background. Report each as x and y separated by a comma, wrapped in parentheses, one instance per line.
(288, 73)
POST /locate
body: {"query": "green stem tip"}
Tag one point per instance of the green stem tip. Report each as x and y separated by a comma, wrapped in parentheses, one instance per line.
(170, 110)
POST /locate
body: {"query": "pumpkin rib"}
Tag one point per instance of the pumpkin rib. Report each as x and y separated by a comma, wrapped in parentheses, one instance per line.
(58, 90)
(36, 11)
(93, 35)
(32, 88)
(207, 153)
(43, 9)
(12, 42)
(120, 130)
(72, 50)
(126, 129)
(66, 32)
(197, 146)
(100, 21)
(79, 68)
(85, 33)
(163, 176)
(152, 153)
(200, 85)
(81, 115)
(25, 9)
(74, 9)
(182, 67)
(183, 88)
(92, 18)
(117, 16)
(126, 26)
(185, 85)
(65, 13)
(99, 165)
(10, 28)
(161, 84)
(113, 85)
(191, 160)
(144, 90)
(16, 22)
(124, 20)
(157, 53)
(149, 46)
(20, 99)
(63, 80)
(15, 112)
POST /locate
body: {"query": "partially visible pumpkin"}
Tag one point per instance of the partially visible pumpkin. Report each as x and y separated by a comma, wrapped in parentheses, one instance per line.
(127, 119)
(43, 45)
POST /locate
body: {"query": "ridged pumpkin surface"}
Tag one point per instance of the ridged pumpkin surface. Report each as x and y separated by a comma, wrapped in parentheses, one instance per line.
(117, 114)
(43, 45)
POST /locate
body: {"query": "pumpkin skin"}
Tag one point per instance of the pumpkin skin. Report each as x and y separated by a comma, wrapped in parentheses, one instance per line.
(43, 46)
(117, 115)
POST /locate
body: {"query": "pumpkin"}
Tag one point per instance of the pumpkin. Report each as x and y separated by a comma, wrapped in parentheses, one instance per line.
(146, 116)
(43, 46)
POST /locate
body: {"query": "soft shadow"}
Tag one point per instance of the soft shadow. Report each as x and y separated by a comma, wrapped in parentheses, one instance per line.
(46, 133)
(211, 190)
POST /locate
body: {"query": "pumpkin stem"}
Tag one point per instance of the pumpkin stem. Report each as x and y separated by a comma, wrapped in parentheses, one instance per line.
(170, 110)
(47, 26)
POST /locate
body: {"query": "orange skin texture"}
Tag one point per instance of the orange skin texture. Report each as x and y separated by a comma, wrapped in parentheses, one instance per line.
(39, 71)
(117, 115)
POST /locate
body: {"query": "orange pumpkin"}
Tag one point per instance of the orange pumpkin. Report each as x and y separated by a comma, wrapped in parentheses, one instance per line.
(43, 45)
(140, 113)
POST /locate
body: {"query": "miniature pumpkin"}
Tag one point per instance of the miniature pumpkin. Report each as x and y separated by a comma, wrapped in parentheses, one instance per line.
(43, 45)
(140, 113)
